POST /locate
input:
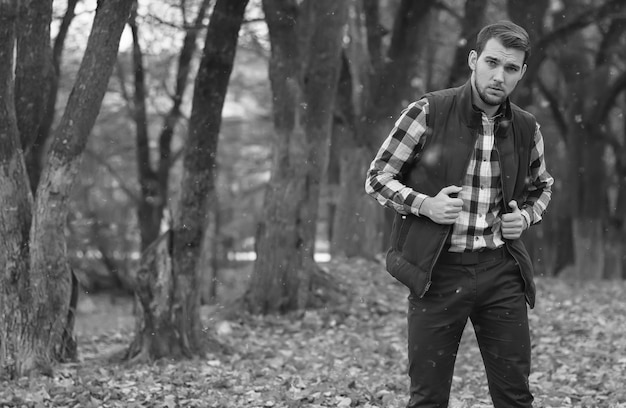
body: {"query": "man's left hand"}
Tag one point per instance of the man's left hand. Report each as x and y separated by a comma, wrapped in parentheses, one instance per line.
(513, 223)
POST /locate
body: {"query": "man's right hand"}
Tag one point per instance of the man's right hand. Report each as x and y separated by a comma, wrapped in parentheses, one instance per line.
(442, 208)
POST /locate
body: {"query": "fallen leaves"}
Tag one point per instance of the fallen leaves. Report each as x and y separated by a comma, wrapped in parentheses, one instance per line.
(579, 339)
(348, 355)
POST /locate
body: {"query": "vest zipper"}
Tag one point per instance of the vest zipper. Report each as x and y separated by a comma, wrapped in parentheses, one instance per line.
(504, 205)
(432, 266)
(506, 244)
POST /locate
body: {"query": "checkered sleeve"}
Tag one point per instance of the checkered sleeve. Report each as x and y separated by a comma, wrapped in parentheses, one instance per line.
(539, 190)
(404, 142)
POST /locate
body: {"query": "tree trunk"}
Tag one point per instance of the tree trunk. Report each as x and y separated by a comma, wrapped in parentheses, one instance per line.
(38, 285)
(619, 216)
(618, 242)
(357, 233)
(590, 204)
(35, 80)
(304, 86)
(321, 72)
(35, 154)
(16, 202)
(589, 248)
(168, 282)
(151, 203)
(356, 218)
(529, 15)
(394, 88)
(187, 53)
(154, 177)
(155, 331)
(42, 289)
(470, 26)
(585, 183)
(614, 250)
(566, 231)
(33, 60)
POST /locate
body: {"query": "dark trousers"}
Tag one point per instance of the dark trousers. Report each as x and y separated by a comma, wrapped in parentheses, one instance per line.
(491, 295)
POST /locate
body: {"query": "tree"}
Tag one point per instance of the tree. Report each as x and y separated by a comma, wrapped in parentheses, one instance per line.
(47, 80)
(169, 322)
(378, 82)
(588, 137)
(470, 25)
(37, 279)
(153, 179)
(575, 67)
(14, 195)
(306, 42)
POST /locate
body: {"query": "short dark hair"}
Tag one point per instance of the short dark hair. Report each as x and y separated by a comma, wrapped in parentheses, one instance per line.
(509, 34)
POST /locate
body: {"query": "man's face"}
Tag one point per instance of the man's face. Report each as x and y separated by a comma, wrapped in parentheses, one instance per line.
(495, 72)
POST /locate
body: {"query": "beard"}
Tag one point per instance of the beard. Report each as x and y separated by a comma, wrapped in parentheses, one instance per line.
(491, 100)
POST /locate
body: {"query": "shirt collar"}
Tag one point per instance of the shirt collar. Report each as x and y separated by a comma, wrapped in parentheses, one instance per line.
(472, 116)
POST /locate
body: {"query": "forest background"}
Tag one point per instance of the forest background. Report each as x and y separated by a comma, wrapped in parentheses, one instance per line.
(194, 166)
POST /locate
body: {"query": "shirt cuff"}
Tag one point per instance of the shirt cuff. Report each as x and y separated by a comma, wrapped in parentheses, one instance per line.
(526, 216)
(417, 204)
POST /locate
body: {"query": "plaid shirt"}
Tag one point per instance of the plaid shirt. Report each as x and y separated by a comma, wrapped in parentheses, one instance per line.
(478, 224)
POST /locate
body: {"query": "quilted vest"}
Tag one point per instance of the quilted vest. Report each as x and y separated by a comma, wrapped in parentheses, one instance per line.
(453, 127)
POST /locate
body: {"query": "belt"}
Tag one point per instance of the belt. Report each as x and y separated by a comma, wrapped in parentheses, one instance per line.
(473, 258)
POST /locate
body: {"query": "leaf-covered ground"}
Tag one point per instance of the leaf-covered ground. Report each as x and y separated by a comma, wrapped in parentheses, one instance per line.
(351, 355)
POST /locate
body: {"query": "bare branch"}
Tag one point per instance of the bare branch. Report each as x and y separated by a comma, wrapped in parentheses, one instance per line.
(120, 178)
(120, 74)
(607, 100)
(174, 115)
(610, 39)
(611, 9)
(442, 5)
(555, 108)
(589, 17)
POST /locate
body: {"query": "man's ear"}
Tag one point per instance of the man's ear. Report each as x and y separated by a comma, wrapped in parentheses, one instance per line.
(471, 59)
(523, 70)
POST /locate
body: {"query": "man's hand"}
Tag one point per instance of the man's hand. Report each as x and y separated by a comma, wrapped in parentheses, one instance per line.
(513, 223)
(442, 208)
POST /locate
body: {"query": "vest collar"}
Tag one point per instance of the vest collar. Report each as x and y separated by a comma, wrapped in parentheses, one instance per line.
(472, 117)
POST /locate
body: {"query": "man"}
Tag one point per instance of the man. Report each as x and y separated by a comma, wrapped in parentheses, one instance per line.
(464, 170)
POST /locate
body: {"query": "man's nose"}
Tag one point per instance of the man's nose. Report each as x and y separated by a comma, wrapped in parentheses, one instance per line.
(498, 74)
